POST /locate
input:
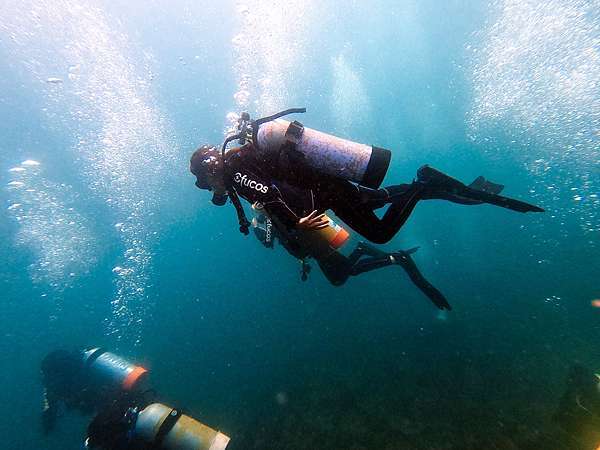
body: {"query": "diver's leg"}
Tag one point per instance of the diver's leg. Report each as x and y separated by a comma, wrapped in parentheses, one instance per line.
(354, 205)
(378, 198)
(404, 259)
(372, 263)
(336, 268)
(360, 216)
(364, 249)
(376, 258)
(438, 185)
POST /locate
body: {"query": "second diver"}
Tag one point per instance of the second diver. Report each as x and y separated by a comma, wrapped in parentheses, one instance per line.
(321, 239)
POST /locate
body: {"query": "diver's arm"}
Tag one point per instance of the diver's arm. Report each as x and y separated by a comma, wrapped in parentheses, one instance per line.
(239, 209)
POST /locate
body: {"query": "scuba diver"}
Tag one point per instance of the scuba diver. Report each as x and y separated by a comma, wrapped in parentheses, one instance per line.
(98, 382)
(579, 409)
(336, 174)
(85, 381)
(323, 243)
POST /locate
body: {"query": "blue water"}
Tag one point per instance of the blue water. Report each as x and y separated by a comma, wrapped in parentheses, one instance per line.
(106, 241)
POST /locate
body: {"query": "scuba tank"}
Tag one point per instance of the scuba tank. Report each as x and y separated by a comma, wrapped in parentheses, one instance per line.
(324, 153)
(110, 371)
(362, 164)
(315, 243)
(169, 429)
(322, 243)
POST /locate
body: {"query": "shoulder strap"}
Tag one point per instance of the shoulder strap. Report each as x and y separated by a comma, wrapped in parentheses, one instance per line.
(165, 427)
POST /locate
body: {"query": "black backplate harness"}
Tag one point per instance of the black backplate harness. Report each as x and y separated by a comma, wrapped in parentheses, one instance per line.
(247, 130)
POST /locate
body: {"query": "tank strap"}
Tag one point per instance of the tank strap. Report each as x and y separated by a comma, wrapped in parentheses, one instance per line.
(258, 122)
(291, 160)
(294, 132)
(166, 426)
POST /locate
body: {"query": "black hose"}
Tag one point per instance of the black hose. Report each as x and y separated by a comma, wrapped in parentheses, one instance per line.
(262, 120)
(228, 140)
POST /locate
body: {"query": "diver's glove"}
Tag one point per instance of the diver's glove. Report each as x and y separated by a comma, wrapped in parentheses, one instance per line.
(245, 227)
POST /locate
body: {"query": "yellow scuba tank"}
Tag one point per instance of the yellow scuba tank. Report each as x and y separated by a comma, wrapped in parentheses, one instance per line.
(322, 242)
(317, 243)
(168, 429)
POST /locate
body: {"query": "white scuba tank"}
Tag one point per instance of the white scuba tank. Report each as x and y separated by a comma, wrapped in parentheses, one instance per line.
(363, 164)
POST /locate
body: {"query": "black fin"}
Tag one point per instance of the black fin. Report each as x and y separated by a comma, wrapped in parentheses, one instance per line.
(481, 184)
(404, 260)
(410, 251)
(438, 185)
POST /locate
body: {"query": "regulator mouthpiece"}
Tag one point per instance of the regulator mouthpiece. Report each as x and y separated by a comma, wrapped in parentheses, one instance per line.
(219, 199)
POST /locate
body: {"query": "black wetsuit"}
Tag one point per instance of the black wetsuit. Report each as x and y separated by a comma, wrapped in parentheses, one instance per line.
(111, 427)
(303, 191)
(255, 176)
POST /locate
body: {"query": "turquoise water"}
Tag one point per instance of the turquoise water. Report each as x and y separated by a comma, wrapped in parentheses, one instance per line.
(106, 241)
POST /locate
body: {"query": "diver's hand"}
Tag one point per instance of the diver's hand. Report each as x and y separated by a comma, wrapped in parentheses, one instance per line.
(313, 221)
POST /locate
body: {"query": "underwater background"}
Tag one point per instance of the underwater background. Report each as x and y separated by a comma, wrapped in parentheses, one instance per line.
(106, 241)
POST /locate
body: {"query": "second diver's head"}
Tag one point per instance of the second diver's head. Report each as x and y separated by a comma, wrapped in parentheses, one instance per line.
(206, 164)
